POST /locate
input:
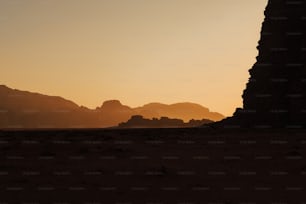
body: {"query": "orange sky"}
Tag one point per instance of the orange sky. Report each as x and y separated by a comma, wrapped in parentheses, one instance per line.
(137, 51)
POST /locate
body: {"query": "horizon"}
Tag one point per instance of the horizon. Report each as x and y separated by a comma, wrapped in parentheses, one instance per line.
(135, 52)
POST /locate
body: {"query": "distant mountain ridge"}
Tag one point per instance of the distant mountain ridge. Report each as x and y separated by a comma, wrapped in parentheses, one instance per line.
(23, 109)
(185, 111)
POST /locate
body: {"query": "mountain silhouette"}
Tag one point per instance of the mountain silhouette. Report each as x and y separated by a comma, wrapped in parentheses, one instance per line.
(23, 109)
(113, 112)
(16, 100)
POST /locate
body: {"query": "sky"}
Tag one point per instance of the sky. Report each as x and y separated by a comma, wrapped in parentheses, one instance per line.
(136, 51)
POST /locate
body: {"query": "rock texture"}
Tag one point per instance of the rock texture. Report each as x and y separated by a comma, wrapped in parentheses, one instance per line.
(276, 91)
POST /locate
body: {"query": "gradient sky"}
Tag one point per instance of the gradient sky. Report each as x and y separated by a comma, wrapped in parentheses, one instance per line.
(137, 51)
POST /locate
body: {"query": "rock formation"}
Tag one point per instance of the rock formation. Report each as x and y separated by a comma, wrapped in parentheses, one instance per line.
(185, 111)
(138, 121)
(276, 91)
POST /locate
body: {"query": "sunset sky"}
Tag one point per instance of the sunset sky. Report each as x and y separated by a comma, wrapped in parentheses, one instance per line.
(137, 51)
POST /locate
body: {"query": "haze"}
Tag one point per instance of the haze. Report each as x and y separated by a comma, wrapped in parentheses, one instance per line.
(137, 51)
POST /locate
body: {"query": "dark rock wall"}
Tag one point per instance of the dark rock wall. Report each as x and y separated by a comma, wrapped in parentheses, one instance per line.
(275, 93)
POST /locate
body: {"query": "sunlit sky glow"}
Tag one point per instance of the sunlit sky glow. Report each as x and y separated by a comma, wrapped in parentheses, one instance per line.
(137, 51)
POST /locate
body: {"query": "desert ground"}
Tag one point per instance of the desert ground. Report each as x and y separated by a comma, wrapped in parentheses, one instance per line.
(153, 166)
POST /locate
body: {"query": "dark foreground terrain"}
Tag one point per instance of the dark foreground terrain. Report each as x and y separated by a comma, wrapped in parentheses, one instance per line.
(153, 166)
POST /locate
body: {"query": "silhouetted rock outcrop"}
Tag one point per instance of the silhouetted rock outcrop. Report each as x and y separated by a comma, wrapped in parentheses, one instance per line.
(138, 121)
(185, 111)
(275, 95)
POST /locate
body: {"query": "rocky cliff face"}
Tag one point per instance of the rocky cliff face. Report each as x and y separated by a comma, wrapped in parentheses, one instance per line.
(276, 91)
